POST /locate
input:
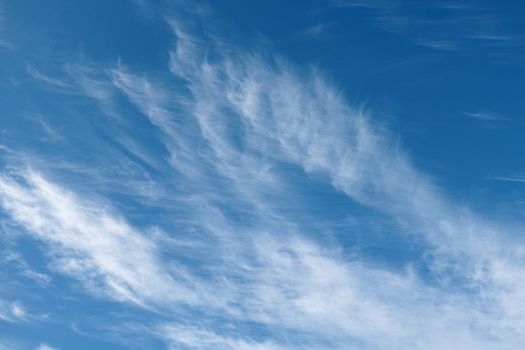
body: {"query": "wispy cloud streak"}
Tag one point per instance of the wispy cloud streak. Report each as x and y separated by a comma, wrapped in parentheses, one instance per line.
(440, 25)
(240, 129)
(511, 178)
(90, 243)
(286, 118)
(12, 312)
(45, 347)
(485, 116)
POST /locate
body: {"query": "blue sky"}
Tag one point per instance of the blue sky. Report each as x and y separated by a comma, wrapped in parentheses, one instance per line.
(258, 175)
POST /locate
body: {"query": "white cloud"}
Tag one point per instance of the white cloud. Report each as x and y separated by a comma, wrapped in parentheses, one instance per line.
(17, 263)
(312, 299)
(509, 178)
(90, 243)
(234, 121)
(206, 339)
(36, 74)
(18, 311)
(486, 116)
(303, 120)
(463, 26)
(12, 311)
(45, 347)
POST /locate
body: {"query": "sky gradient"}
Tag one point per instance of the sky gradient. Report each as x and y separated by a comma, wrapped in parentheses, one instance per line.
(262, 175)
